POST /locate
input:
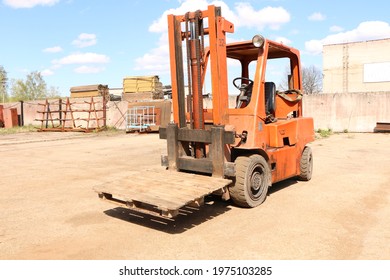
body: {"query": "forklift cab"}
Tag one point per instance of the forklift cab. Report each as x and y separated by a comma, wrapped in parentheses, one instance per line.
(254, 84)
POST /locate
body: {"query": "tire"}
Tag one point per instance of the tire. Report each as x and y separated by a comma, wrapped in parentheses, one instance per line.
(253, 178)
(306, 164)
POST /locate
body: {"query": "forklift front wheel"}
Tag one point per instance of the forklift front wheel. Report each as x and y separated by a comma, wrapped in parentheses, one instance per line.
(306, 164)
(252, 181)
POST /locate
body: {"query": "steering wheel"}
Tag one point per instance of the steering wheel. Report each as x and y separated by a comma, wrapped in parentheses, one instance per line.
(242, 79)
(244, 97)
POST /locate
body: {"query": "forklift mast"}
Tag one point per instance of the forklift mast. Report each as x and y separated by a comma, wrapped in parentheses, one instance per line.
(190, 30)
(190, 145)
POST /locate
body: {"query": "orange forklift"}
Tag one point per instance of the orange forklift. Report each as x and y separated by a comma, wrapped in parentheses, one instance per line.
(236, 151)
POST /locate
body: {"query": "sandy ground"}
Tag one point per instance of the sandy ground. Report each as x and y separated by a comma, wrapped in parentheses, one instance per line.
(49, 210)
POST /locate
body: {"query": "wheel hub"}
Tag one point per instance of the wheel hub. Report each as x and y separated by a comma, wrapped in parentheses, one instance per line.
(256, 181)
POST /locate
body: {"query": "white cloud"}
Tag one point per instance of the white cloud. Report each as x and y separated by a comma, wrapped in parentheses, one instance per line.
(82, 58)
(29, 3)
(314, 47)
(55, 65)
(317, 17)
(161, 24)
(336, 28)
(243, 15)
(55, 49)
(368, 30)
(271, 17)
(85, 40)
(157, 59)
(47, 72)
(282, 40)
(294, 32)
(88, 69)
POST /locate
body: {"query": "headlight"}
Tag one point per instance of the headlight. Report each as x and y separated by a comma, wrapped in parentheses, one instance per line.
(258, 41)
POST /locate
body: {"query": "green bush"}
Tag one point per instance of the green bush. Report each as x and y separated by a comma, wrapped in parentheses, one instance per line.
(324, 132)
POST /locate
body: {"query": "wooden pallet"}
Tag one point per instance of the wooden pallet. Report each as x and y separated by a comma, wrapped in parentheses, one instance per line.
(160, 192)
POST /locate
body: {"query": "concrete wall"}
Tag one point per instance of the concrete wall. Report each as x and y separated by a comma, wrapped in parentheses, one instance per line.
(357, 67)
(32, 111)
(355, 112)
(116, 111)
(116, 114)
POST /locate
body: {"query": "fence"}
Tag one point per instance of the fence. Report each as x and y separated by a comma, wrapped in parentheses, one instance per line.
(65, 115)
(353, 112)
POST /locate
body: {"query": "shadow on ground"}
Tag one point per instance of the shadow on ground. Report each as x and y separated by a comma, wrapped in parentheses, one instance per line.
(188, 217)
(282, 185)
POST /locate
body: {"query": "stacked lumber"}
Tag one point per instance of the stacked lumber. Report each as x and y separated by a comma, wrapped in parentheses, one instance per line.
(89, 91)
(142, 88)
(141, 84)
(137, 96)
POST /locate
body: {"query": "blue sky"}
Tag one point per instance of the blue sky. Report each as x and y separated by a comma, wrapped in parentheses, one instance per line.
(82, 42)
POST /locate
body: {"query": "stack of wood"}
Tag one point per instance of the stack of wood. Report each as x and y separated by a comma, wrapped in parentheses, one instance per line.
(142, 88)
(89, 91)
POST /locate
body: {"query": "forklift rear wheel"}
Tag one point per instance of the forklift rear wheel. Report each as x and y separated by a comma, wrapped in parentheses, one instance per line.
(252, 181)
(306, 164)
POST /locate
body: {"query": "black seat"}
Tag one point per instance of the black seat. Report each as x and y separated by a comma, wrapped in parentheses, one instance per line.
(270, 93)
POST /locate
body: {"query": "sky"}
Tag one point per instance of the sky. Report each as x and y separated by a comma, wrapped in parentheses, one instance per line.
(84, 42)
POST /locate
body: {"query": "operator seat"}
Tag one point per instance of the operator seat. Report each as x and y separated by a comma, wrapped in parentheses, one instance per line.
(270, 93)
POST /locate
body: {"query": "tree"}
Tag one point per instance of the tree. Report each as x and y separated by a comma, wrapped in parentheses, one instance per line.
(3, 85)
(53, 92)
(311, 80)
(34, 88)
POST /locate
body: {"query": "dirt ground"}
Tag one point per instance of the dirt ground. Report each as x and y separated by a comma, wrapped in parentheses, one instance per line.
(49, 210)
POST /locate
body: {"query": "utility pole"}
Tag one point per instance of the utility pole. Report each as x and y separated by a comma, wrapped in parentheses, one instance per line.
(3, 82)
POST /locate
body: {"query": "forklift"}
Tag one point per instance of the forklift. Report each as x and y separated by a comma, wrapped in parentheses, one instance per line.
(237, 151)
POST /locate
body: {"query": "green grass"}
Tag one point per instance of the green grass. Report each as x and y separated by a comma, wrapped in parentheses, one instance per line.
(109, 130)
(324, 133)
(112, 129)
(17, 129)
